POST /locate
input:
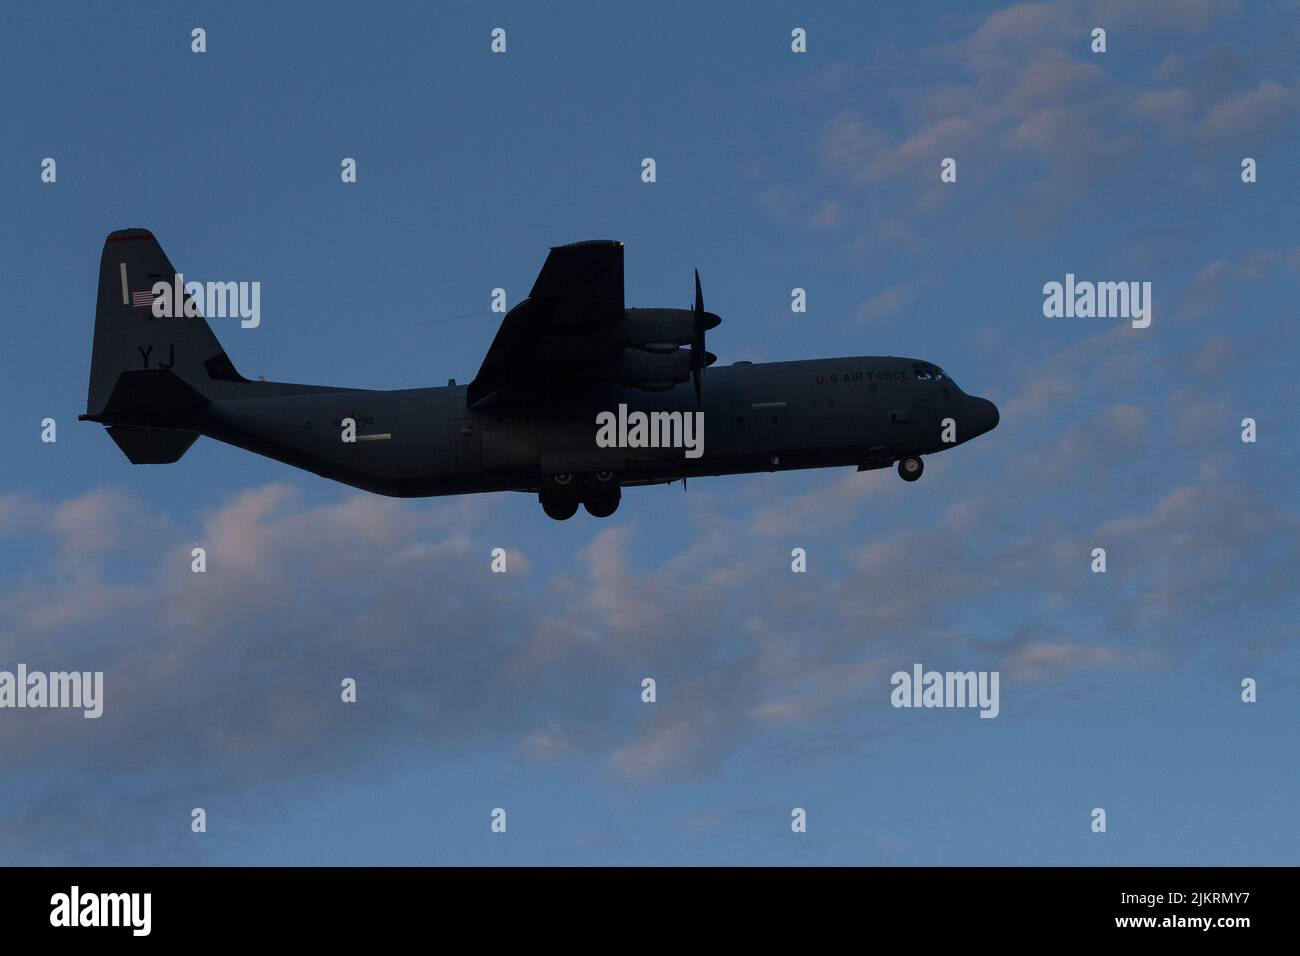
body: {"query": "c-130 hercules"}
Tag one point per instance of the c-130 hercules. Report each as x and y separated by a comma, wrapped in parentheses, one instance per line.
(528, 421)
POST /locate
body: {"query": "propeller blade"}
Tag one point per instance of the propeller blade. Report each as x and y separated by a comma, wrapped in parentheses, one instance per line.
(699, 357)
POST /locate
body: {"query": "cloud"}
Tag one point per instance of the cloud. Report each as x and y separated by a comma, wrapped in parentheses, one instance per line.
(1039, 660)
(1169, 108)
(1001, 39)
(1197, 417)
(1220, 282)
(19, 512)
(1200, 534)
(1207, 73)
(1047, 384)
(1114, 431)
(887, 303)
(1034, 119)
(233, 675)
(827, 216)
(1020, 99)
(1267, 110)
(1215, 355)
(789, 206)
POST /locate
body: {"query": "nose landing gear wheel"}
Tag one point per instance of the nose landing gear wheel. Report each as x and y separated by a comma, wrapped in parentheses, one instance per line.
(910, 468)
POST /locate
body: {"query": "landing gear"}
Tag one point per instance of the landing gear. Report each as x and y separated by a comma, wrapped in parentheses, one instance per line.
(558, 506)
(910, 468)
(599, 493)
(559, 497)
(604, 504)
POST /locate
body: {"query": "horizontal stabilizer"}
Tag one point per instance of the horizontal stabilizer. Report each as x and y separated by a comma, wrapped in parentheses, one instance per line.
(152, 446)
(155, 397)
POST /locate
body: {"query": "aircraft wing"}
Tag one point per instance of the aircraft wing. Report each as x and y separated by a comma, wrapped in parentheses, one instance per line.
(563, 330)
(573, 332)
(584, 281)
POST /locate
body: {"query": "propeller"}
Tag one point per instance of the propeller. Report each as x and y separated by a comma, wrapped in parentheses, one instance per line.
(701, 358)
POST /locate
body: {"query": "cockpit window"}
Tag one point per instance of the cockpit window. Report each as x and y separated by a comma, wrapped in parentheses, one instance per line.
(928, 373)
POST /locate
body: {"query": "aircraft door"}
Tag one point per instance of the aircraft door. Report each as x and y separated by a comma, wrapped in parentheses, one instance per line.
(926, 419)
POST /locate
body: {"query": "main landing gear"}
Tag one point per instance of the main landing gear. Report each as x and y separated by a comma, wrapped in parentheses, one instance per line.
(599, 493)
(910, 468)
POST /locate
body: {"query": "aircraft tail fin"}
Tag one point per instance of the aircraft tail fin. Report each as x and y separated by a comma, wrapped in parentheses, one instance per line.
(148, 373)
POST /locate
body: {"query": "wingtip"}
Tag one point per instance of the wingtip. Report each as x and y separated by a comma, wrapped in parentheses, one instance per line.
(589, 242)
(126, 235)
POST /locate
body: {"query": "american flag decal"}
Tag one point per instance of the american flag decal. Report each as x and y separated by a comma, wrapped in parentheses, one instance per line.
(142, 300)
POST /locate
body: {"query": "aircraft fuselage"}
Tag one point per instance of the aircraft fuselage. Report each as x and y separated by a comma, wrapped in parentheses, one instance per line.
(864, 411)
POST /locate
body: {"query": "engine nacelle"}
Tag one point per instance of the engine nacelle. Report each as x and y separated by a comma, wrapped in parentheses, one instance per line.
(650, 371)
(657, 330)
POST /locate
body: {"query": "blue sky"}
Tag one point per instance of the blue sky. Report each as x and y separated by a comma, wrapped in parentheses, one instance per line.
(775, 171)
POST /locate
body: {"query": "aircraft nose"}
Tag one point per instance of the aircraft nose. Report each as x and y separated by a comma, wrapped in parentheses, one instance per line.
(984, 415)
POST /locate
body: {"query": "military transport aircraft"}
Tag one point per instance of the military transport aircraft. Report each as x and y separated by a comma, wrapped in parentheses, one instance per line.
(577, 398)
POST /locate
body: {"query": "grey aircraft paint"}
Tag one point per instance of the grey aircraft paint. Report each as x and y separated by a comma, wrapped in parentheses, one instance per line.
(528, 420)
